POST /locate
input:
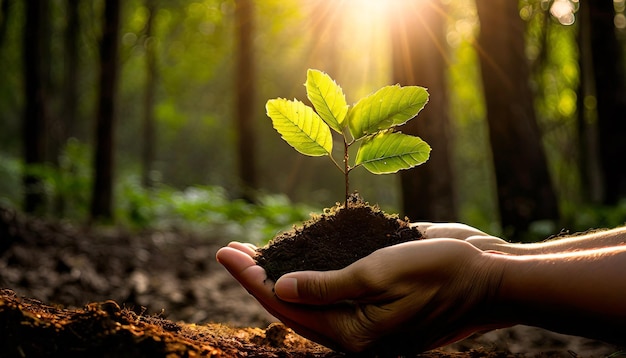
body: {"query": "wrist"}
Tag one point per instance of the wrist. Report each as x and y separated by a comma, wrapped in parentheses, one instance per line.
(492, 311)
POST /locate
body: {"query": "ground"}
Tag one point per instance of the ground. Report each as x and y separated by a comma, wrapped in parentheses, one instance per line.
(73, 291)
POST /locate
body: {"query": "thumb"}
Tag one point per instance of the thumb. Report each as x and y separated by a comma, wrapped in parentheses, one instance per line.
(316, 287)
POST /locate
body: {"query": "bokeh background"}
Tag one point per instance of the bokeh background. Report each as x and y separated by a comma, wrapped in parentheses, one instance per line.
(151, 113)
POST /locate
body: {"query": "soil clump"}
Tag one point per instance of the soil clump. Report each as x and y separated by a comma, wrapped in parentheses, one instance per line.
(334, 239)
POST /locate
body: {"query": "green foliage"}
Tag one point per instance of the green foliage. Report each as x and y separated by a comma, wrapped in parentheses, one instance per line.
(199, 207)
(388, 107)
(66, 184)
(10, 184)
(328, 99)
(389, 152)
(205, 208)
(582, 217)
(371, 121)
(301, 127)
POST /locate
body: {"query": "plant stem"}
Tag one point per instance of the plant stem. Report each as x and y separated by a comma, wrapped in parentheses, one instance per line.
(346, 170)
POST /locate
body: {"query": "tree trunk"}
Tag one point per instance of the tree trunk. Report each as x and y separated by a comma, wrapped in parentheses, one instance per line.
(610, 79)
(102, 195)
(420, 58)
(148, 102)
(66, 122)
(525, 192)
(587, 116)
(245, 96)
(5, 10)
(72, 30)
(35, 98)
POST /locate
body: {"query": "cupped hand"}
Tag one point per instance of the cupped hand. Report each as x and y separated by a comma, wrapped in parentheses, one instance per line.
(310, 322)
(408, 297)
(460, 231)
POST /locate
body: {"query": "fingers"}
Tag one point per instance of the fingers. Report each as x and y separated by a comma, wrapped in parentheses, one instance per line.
(497, 245)
(485, 242)
(307, 287)
(240, 264)
(447, 230)
(244, 247)
(316, 324)
(317, 288)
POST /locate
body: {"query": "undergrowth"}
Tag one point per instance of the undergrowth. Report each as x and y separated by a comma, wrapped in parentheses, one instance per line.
(203, 208)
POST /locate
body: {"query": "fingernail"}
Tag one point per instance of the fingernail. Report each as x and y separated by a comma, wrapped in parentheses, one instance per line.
(286, 288)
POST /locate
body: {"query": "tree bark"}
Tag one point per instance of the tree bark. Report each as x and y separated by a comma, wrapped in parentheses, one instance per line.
(35, 98)
(420, 58)
(610, 79)
(525, 192)
(102, 194)
(245, 96)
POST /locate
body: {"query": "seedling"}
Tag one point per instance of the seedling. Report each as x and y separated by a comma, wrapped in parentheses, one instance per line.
(370, 124)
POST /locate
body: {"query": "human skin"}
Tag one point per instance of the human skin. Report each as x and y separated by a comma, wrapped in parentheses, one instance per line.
(421, 295)
(592, 240)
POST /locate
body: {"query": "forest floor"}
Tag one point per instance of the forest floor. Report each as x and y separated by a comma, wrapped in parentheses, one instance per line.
(72, 291)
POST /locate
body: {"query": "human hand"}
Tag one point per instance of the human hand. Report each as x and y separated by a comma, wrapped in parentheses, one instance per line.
(408, 297)
(460, 231)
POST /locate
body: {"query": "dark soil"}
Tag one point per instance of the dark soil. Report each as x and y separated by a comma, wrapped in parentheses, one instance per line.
(82, 292)
(30, 328)
(334, 239)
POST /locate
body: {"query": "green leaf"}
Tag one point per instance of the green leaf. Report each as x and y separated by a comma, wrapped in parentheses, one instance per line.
(388, 107)
(300, 126)
(388, 152)
(327, 98)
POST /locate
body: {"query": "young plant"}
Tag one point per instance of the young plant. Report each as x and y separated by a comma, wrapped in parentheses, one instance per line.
(370, 123)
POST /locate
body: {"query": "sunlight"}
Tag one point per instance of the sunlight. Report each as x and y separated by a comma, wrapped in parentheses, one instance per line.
(368, 6)
(564, 11)
(358, 34)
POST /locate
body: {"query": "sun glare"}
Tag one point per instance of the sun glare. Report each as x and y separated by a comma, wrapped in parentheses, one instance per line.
(564, 11)
(360, 34)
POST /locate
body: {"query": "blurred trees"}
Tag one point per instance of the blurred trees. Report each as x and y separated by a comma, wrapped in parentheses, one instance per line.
(71, 53)
(607, 58)
(197, 74)
(5, 8)
(244, 98)
(420, 58)
(149, 135)
(102, 192)
(524, 187)
(36, 106)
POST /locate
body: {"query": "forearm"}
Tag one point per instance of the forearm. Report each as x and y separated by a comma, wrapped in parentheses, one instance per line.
(594, 240)
(582, 293)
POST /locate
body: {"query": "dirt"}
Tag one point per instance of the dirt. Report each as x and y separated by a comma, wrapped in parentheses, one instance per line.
(334, 239)
(74, 291)
(32, 329)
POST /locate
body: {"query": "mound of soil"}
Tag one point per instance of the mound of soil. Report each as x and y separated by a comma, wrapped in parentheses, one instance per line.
(334, 239)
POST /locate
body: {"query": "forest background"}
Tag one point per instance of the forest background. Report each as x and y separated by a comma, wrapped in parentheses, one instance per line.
(151, 113)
